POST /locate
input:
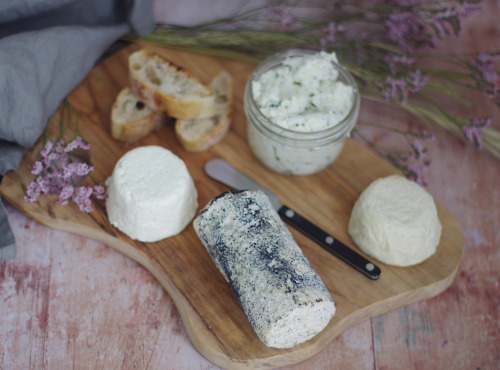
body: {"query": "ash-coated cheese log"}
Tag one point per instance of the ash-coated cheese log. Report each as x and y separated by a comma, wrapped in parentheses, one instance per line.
(282, 296)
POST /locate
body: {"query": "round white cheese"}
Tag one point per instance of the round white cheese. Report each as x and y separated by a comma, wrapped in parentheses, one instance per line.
(395, 221)
(151, 195)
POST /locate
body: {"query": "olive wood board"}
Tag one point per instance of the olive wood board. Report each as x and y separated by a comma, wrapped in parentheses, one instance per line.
(212, 317)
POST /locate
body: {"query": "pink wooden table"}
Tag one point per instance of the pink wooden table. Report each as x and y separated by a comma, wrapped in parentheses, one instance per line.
(70, 302)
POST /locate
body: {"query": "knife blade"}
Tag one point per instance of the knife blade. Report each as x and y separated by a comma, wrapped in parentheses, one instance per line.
(222, 171)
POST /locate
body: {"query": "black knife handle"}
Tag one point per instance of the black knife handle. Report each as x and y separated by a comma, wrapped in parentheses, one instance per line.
(331, 244)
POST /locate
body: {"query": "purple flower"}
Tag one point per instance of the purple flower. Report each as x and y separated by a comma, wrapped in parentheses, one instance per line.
(417, 80)
(395, 89)
(66, 192)
(81, 197)
(413, 24)
(487, 79)
(403, 79)
(43, 184)
(76, 169)
(68, 171)
(53, 157)
(417, 164)
(411, 162)
(396, 60)
(473, 131)
(60, 171)
(37, 168)
(281, 13)
(412, 168)
(99, 192)
(444, 19)
(46, 149)
(32, 192)
(331, 31)
(407, 30)
(418, 149)
(83, 169)
(416, 171)
(59, 146)
(76, 143)
(470, 8)
(449, 20)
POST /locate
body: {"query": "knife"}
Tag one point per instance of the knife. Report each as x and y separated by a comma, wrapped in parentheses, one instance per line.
(222, 171)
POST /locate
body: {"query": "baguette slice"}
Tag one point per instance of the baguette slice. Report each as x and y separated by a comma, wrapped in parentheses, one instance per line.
(131, 119)
(163, 86)
(196, 135)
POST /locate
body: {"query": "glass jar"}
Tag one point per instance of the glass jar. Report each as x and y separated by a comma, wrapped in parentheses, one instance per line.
(293, 152)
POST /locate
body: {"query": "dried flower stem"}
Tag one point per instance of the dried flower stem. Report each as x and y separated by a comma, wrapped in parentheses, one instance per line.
(384, 44)
(411, 162)
(60, 171)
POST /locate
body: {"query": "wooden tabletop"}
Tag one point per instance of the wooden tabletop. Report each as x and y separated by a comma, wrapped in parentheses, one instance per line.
(70, 302)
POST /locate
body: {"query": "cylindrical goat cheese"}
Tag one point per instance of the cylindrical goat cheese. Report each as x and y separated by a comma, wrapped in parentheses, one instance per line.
(151, 195)
(282, 296)
(395, 220)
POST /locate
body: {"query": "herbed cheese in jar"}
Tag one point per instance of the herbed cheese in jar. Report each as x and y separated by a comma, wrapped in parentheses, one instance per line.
(300, 106)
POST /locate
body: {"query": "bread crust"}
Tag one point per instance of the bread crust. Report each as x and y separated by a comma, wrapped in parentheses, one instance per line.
(124, 127)
(206, 141)
(215, 128)
(152, 98)
(161, 85)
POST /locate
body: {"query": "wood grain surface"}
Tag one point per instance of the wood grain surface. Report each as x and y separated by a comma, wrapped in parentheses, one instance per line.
(69, 302)
(210, 313)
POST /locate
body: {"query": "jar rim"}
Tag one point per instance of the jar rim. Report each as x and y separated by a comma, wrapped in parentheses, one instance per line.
(343, 126)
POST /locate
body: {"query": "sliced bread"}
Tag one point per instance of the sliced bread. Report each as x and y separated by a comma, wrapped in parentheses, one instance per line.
(164, 86)
(131, 119)
(196, 135)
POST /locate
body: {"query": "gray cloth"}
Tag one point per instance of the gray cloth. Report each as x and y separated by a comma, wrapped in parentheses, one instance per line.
(47, 47)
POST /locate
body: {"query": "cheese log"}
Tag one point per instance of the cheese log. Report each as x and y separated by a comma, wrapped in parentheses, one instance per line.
(282, 296)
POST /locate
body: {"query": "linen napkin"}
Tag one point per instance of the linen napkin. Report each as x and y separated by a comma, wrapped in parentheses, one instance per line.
(46, 49)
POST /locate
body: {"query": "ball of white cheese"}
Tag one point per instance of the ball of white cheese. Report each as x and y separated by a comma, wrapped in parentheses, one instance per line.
(151, 195)
(395, 221)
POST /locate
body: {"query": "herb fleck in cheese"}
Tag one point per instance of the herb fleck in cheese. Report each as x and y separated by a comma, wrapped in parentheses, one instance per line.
(304, 94)
(300, 106)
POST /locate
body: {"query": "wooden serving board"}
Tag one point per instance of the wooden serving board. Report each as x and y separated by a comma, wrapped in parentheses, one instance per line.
(210, 313)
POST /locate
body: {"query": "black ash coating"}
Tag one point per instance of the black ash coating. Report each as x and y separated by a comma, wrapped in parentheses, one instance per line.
(256, 253)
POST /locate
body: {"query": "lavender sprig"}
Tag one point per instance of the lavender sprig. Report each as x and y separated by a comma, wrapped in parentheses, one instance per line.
(61, 172)
(412, 161)
(387, 45)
